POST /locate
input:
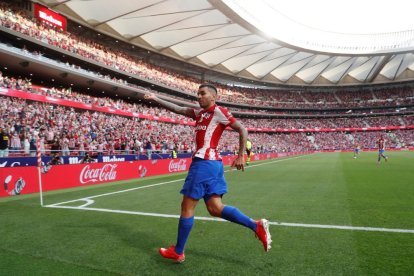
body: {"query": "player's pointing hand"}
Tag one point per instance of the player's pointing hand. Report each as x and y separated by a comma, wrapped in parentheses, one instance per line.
(238, 163)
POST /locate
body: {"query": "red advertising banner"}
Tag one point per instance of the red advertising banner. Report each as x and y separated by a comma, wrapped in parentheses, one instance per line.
(97, 173)
(18, 180)
(50, 17)
(24, 180)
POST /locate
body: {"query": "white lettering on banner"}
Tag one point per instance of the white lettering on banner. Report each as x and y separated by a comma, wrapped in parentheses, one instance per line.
(106, 173)
(178, 166)
(14, 164)
(50, 18)
(112, 159)
(74, 160)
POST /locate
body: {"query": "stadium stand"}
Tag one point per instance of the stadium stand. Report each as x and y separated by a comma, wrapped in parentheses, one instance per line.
(263, 110)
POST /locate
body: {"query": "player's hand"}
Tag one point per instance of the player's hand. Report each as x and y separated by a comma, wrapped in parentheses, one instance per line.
(150, 96)
(238, 163)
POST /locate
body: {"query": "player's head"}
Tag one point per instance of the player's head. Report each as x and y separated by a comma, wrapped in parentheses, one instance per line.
(207, 94)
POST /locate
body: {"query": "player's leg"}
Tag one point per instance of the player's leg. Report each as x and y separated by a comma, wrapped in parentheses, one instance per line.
(261, 227)
(248, 152)
(185, 225)
(217, 186)
(217, 209)
(186, 222)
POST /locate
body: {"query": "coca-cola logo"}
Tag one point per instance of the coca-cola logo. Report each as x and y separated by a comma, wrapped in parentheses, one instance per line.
(177, 165)
(106, 173)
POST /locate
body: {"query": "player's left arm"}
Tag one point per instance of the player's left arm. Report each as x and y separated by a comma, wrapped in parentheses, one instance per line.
(239, 161)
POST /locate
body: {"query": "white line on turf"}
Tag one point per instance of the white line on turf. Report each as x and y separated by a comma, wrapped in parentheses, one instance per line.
(286, 224)
(89, 201)
(157, 184)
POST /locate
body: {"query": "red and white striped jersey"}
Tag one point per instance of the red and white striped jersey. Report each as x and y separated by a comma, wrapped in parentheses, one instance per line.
(210, 124)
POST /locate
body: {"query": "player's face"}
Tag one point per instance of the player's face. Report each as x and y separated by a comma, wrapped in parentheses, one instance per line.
(206, 97)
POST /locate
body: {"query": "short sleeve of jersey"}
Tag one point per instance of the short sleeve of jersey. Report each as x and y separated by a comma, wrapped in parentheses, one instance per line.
(224, 116)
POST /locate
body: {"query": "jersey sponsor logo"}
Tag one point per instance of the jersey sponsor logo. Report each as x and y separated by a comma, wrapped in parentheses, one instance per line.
(197, 128)
(204, 116)
(107, 172)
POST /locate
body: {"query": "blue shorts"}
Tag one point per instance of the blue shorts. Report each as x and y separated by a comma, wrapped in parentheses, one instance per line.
(205, 178)
(356, 150)
(381, 151)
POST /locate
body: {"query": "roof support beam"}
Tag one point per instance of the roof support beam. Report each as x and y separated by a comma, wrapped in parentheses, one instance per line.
(130, 12)
(378, 69)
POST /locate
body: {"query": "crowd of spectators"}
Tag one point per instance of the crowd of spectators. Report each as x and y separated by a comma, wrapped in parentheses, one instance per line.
(71, 131)
(318, 123)
(75, 132)
(118, 104)
(67, 94)
(19, 21)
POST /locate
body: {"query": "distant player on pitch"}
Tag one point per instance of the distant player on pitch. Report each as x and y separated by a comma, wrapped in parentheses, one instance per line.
(205, 179)
(248, 151)
(357, 149)
(381, 149)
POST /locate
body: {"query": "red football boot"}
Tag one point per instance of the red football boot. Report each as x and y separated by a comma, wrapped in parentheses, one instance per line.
(169, 253)
(263, 234)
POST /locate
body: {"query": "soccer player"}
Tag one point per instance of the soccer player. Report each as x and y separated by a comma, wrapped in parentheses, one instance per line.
(248, 151)
(205, 179)
(357, 149)
(381, 149)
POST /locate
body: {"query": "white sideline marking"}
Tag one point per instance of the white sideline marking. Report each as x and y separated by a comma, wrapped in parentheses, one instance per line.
(113, 193)
(286, 224)
(153, 185)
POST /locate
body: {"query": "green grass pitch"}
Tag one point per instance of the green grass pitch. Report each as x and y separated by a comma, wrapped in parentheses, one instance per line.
(120, 233)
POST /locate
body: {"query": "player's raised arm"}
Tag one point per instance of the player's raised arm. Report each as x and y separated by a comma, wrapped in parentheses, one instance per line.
(186, 111)
(239, 161)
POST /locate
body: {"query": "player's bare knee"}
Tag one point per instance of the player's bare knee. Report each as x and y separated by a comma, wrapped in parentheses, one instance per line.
(214, 210)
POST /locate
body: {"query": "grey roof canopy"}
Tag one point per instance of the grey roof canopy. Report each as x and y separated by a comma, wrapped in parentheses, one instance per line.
(202, 32)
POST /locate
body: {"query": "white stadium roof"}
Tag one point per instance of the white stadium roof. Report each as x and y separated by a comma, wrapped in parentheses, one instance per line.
(227, 36)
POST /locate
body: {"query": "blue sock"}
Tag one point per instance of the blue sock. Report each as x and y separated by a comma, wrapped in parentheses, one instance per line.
(233, 214)
(184, 228)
